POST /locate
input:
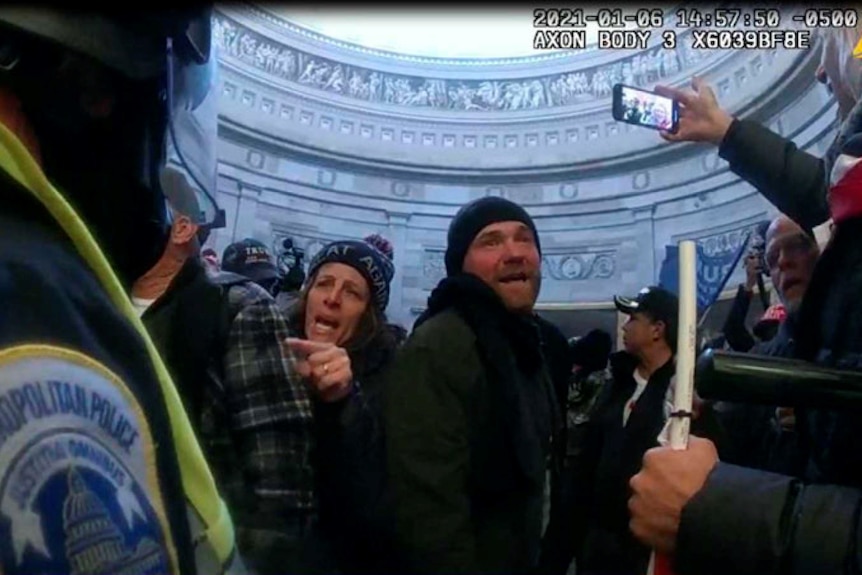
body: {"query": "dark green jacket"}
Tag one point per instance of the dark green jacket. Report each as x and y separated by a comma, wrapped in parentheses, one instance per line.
(467, 500)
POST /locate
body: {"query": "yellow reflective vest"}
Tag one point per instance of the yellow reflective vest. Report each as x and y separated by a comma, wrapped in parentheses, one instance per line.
(209, 520)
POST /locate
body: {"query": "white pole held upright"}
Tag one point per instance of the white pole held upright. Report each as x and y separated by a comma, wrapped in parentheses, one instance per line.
(686, 351)
(686, 346)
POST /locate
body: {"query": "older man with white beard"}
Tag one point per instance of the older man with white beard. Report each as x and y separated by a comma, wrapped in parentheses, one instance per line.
(762, 436)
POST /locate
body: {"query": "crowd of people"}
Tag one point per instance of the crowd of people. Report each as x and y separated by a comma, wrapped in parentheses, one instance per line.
(167, 410)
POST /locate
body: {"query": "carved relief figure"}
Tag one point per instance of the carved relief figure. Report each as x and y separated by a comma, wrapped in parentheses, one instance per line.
(601, 83)
(389, 90)
(419, 97)
(653, 65)
(628, 76)
(374, 82)
(637, 69)
(305, 77)
(355, 84)
(537, 94)
(264, 57)
(490, 94)
(436, 93)
(287, 63)
(248, 46)
(512, 94)
(318, 77)
(336, 80)
(403, 91)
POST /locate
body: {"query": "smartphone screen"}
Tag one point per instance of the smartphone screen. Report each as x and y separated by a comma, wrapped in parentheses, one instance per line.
(644, 108)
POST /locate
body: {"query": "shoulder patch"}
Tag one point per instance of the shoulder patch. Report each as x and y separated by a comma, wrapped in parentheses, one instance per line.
(79, 491)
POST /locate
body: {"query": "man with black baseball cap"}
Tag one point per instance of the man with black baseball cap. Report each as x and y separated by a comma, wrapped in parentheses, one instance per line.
(628, 416)
(252, 259)
(659, 308)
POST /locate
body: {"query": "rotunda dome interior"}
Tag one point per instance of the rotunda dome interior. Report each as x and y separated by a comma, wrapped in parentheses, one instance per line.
(337, 124)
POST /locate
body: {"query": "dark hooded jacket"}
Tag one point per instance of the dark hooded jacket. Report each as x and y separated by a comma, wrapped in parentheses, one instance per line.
(469, 412)
(355, 530)
(756, 438)
(595, 517)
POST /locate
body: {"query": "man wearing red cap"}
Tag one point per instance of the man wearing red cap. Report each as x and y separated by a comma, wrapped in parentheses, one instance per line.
(775, 314)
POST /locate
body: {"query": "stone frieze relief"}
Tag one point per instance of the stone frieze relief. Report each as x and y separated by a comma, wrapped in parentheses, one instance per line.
(548, 91)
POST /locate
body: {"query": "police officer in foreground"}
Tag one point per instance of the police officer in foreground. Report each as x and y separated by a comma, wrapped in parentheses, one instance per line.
(99, 469)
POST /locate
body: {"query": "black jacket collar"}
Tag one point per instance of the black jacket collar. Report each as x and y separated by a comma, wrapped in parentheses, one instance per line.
(510, 349)
(623, 365)
(191, 272)
(483, 310)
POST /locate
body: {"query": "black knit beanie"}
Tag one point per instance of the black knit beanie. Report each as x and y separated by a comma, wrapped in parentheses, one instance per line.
(472, 218)
(375, 266)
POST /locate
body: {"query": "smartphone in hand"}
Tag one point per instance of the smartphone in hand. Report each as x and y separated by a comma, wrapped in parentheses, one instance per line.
(644, 108)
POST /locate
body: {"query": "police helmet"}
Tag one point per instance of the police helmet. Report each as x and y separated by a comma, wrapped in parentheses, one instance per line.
(113, 98)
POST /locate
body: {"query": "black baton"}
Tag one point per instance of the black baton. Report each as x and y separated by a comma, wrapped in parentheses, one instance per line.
(745, 378)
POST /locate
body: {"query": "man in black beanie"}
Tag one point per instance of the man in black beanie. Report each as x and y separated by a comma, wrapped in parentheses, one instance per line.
(470, 409)
(474, 218)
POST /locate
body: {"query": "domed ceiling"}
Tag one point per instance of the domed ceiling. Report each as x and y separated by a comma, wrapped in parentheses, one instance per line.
(462, 92)
(337, 122)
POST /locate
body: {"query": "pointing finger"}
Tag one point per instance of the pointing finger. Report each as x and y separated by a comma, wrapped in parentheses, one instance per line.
(306, 346)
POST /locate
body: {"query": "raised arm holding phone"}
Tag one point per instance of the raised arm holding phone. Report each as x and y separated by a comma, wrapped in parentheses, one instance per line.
(793, 180)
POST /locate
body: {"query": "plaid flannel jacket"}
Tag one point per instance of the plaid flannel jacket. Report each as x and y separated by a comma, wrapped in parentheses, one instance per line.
(266, 473)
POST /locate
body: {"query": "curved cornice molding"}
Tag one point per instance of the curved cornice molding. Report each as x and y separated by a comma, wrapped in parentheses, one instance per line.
(595, 154)
(670, 188)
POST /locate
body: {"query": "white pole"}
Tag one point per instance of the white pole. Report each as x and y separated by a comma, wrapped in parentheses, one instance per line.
(686, 346)
(686, 351)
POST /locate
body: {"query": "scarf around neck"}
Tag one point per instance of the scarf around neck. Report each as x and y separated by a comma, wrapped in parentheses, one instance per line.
(495, 326)
(510, 349)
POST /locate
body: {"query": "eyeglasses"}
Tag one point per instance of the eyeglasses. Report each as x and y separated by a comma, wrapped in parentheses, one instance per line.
(796, 245)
